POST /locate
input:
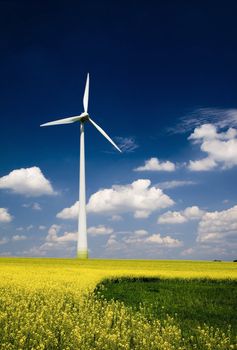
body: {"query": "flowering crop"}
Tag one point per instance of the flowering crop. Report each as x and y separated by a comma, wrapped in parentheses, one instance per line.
(49, 304)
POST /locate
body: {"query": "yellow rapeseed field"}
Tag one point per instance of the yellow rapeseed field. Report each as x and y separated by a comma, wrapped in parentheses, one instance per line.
(49, 304)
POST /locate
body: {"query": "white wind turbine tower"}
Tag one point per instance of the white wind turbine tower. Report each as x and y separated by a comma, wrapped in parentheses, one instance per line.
(82, 250)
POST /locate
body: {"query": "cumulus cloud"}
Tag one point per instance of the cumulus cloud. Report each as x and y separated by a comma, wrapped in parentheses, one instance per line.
(166, 241)
(141, 239)
(113, 243)
(5, 216)
(205, 131)
(139, 197)
(69, 213)
(218, 225)
(99, 230)
(172, 217)
(27, 181)
(220, 147)
(64, 243)
(53, 232)
(204, 164)
(53, 236)
(154, 164)
(193, 213)
(140, 233)
(56, 244)
(18, 238)
(179, 217)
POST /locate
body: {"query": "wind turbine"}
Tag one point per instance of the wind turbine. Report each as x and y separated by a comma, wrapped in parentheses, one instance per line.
(82, 250)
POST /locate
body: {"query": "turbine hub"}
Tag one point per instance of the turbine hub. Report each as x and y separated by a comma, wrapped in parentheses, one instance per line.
(84, 117)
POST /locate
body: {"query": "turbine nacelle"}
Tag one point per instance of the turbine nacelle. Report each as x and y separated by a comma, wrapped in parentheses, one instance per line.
(84, 117)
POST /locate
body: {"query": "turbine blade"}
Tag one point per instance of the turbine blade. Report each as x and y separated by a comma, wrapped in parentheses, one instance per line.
(86, 94)
(104, 134)
(68, 120)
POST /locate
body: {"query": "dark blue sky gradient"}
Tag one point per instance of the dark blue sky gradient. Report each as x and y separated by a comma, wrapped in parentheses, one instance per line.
(150, 62)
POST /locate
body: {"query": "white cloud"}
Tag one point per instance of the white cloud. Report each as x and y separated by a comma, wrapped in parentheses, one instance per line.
(116, 218)
(179, 217)
(53, 232)
(55, 244)
(126, 144)
(27, 181)
(4, 240)
(172, 217)
(175, 183)
(42, 227)
(138, 197)
(68, 237)
(141, 214)
(193, 213)
(204, 164)
(218, 225)
(36, 206)
(221, 118)
(25, 205)
(53, 237)
(100, 230)
(5, 216)
(69, 213)
(154, 164)
(18, 238)
(166, 241)
(140, 233)
(113, 244)
(205, 131)
(188, 251)
(141, 239)
(134, 237)
(220, 147)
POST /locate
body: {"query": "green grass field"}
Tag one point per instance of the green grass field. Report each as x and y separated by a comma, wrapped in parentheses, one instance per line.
(50, 304)
(193, 302)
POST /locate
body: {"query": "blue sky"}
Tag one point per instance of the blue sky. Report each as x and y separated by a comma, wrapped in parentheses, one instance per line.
(163, 85)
